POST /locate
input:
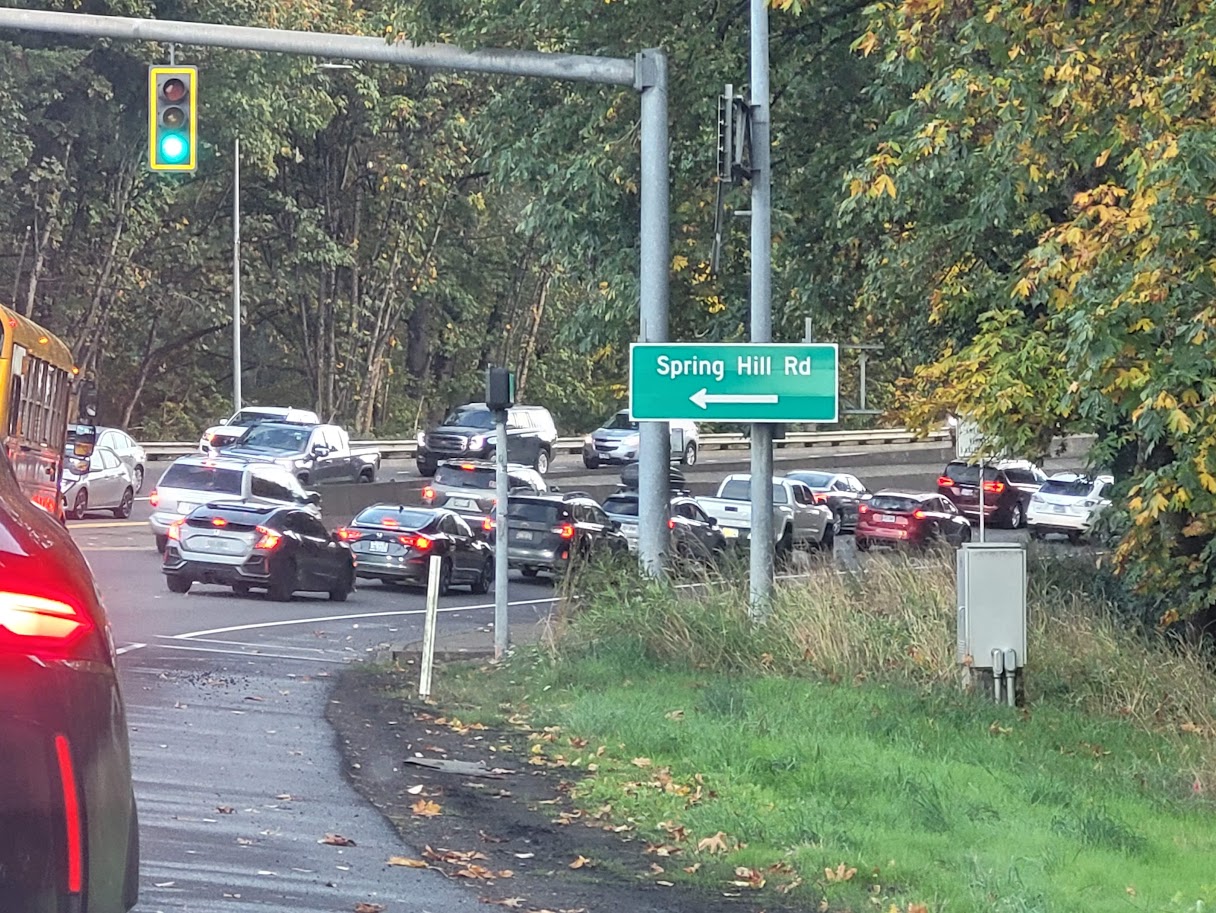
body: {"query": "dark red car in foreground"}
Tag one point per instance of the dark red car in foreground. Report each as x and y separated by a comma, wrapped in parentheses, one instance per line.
(69, 840)
(908, 518)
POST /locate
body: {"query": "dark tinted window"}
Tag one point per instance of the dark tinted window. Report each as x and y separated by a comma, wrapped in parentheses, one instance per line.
(401, 517)
(537, 511)
(621, 422)
(814, 479)
(741, 490)
(277, 437)
(626, 507)
(969, 474)
(470, 417)
(1077, 489)
(235, 519)
(203, 478)
(262, 485)
(456, 477)
(893, 503)
(1023, 476)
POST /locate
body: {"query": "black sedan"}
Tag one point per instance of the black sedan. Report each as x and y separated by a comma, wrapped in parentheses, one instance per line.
(840, 491)
(68, 833)
(395, 544)
(250, 546)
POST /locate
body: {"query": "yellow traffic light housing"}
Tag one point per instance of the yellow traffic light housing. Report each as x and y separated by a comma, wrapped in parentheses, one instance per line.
(172, 118)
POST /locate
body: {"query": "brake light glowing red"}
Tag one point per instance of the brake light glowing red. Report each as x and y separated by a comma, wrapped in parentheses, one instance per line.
(994, 487)
(919, 514)
(821, 498)
(566, 530)
(270, 540)
(467, 466)
(349, 535)
(863, 508)
(219, 522)
(154, 498)
(428, 494)
(671, 524)
(487, 524)
(944, 482)
(422, 543)
(174, 532)
(33, 622)
(389, 521)
(71, 814)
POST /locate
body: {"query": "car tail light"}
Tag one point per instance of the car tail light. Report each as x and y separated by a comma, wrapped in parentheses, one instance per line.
(566, 530)
(219, 522)
(821, 498)
(154, 498)
(389, 521)
(901, 521)
(40, 626)
(863, 508)
(174, 532)
(994, 487)
(428, 494)
(71, 814)
(468, 467)
(270, 539)
(348, 535)
(919, 514)
(944, 481)
(422, 543)
(487, 524)
(671, 524)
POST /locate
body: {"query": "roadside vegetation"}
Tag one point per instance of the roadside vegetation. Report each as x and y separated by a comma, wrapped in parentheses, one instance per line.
(830, 756)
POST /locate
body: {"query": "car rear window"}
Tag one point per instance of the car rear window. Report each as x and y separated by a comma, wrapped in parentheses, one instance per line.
(741, 490)
(473, 477)
(403, 518)
(1076, 489)
(969, 473)
(895, 503)
(1023, 476)
(537, 512)
(203, 478)
(626, 507)
(814, 479)
(231, 518)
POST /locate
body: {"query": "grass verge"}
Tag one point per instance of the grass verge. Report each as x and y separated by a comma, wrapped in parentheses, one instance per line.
(829, 755)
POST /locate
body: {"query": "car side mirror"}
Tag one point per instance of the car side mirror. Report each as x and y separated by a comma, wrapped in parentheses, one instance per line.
(320, 450)
(616, 524)
(713, 521)
(222, 421)
(312, 497)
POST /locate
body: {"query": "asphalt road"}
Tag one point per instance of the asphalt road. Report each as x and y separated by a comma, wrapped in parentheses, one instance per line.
(238, 776)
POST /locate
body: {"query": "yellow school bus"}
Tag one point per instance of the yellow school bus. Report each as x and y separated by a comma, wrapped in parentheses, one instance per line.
(37, 376)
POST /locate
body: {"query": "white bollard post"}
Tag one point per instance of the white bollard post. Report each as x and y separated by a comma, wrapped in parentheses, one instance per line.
(428, 631)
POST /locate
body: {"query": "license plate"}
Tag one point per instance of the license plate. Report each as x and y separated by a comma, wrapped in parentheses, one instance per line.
(461, 504)
(886, 518)
(968, 492)
(729, 532)
(1059, 508)
(524, 534)
(381, 547)
(629, 530)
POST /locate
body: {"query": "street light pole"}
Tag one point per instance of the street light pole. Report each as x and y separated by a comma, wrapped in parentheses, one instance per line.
(236, 275)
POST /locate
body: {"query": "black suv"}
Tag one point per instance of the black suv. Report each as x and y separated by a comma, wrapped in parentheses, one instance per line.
(550, 532)
(468, 433)
(1008, 487)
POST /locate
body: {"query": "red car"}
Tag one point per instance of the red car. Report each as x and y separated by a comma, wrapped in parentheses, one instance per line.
(68, 833)
(898, 517)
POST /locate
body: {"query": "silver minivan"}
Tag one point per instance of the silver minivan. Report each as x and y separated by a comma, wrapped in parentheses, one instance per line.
(193, 481)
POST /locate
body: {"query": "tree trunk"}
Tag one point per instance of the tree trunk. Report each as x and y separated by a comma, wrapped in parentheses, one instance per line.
(529, 352)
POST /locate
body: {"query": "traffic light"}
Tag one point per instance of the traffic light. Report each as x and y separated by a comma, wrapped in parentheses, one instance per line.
(172, 118)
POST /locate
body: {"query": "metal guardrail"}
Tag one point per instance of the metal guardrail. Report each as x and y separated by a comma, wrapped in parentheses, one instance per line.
(405, 449)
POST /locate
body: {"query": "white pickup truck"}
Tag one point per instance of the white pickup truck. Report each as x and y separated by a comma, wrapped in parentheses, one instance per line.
(798, 520)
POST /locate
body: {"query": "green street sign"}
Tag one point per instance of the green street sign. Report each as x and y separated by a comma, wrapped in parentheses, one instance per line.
(734, 382)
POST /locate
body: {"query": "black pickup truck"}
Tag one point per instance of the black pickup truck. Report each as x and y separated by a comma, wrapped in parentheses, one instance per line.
(315, 454)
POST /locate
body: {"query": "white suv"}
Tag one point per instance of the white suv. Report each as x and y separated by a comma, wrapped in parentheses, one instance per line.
(193, 481)
(230, 429)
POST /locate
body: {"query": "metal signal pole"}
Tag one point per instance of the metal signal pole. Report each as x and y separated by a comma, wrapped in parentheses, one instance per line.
(236, 275)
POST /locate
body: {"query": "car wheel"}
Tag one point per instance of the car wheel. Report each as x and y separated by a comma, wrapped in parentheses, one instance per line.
(177, 584)
(80, 505)
(785, 545)
(837, 522)
(123, 510)
(828, 542)
(367, 475)
(345, 587)
(530, 572)
(283, 583)
(965, 536)
(485, 579)
(302, 478)
(161, 543)
(445, 577)
(542, 461)
(1036, 533)
(690, 455)
(591, 462)
(426, 468)
(241, 589)
(863, 545)
(137, 479)
(1074, 538)
(1017, 516)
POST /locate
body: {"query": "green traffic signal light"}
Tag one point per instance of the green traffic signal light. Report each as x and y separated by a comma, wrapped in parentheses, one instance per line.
(174, 149)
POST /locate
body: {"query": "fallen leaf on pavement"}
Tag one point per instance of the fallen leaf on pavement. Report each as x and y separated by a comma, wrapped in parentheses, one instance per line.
(284, 797)
(580, 862)
(512, 902)
(714, 844)
(362, 907)
(225, 809)
(425, 808)
(336, 840)
(407, 862)
(415, 790)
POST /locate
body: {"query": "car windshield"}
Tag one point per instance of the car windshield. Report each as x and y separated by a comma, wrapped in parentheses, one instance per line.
(621, 422)
(460, 477)
(741, 490)
(814, 479)
(276, 437)
(470, 417)
(625, 507)
(396, 517)
(203, 478)
(969, 473)
(898, 503)
(1073, 488)
(536, 511)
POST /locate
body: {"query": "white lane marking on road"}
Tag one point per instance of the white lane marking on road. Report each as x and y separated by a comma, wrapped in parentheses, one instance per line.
(116, 548)
(192, 635)
(108, 524)
(252, 654)
(243, 643)
(129, 648)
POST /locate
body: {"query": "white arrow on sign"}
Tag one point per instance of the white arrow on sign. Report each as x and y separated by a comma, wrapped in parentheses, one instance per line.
(703, 398)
